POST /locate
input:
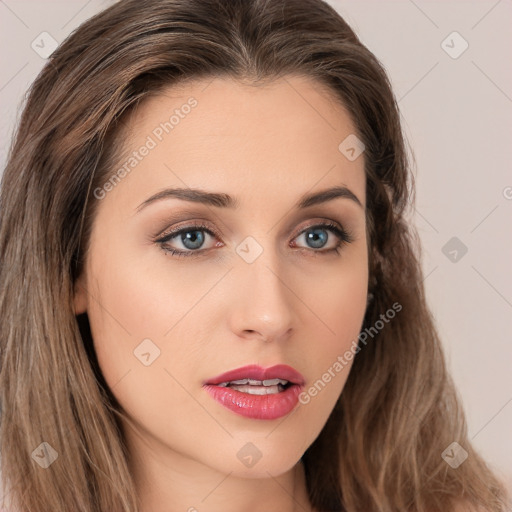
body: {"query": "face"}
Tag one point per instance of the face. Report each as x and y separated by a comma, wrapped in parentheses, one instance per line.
(180, 289)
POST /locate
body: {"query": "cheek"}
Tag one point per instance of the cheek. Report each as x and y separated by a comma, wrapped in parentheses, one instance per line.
(134, 302)
(145, 330)
(338, 298)
(340, 304)
(132, 311)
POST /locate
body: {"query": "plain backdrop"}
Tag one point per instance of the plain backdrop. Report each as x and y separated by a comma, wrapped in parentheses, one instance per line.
(450, 66)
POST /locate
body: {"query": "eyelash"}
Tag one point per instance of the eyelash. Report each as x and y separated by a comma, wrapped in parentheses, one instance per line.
(344, 238)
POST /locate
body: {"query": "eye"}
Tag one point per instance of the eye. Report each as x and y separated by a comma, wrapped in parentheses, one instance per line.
(192, 239)
(317, 237)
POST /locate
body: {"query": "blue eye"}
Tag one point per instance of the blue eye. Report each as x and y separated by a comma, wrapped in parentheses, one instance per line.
(317, 237)
(314, 237)
(193, 238)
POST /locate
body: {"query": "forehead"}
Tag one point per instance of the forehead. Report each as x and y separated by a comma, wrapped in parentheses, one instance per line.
(225, 107)
(239, 138)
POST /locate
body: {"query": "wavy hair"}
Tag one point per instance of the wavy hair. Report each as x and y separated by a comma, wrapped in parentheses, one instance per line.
(380, 449)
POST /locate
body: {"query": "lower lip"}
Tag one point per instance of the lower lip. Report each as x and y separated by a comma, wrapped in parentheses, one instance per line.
(260, 407)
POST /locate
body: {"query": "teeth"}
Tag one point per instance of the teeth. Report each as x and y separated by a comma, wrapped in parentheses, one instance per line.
(246, 381)
(252, 382)
(273, 382)
(258, 390)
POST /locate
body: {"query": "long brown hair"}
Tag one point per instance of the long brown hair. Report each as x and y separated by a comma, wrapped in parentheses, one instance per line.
(381, 448)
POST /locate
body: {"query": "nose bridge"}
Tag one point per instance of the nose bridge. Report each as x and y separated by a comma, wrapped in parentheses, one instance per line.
(264, 300)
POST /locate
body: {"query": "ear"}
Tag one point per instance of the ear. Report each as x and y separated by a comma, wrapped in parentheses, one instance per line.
(80, 295)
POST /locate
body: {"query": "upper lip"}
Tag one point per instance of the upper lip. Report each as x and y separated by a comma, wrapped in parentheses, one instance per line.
(253, 371)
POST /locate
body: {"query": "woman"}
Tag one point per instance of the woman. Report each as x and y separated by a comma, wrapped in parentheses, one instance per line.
(211, 297)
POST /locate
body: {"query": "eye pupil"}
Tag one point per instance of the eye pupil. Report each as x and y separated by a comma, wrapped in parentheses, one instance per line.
(195, 238)
(317, 236)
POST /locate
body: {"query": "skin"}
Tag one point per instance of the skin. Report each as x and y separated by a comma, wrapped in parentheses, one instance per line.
(266, 146)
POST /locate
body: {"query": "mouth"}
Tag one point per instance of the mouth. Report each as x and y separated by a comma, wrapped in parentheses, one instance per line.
(256, 392)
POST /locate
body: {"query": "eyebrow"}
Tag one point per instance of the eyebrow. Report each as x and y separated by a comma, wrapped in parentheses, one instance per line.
(221, 200)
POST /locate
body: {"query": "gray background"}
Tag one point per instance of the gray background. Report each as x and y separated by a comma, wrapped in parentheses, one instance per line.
(457, 114)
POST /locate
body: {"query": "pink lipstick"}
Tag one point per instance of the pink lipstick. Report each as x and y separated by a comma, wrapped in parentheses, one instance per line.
(256, 392)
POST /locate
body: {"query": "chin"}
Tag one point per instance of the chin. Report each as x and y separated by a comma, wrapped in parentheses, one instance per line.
(259, 458)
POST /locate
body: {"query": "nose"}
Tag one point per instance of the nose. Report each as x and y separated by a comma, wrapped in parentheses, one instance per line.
(262, 300)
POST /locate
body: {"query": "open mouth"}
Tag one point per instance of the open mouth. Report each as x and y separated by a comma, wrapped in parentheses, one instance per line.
(257, 393)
